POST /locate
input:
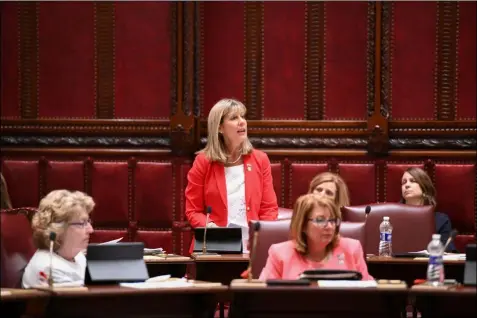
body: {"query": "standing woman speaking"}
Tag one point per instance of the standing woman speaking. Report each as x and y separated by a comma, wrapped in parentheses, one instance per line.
(229, 176)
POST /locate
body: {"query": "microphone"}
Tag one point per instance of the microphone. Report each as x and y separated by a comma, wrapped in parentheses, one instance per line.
(452, 236)
(256, 229)
(366, 211)
(204, 244)
(52, 242)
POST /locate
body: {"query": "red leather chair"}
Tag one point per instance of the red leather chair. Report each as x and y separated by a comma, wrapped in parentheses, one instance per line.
(17, 246)
(272, 232)
(413, 226)
(284, 214)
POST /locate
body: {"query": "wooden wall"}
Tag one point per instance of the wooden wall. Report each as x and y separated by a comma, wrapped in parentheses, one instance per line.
(322, 81)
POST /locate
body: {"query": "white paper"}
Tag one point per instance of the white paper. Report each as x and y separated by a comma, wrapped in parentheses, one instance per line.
(165, 284)
(348, 283)
(454, 257)
(156, 279)
(244, 236)
(152, 251)
(112, 242)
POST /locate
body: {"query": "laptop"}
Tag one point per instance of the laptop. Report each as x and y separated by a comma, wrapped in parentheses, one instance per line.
(221, 240)
(115, 263)
(470, 268)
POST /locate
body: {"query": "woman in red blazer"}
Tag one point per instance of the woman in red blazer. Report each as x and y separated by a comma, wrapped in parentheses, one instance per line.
(228, 175)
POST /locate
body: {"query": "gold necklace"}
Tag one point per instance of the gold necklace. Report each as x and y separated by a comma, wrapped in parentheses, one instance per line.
(231, 163)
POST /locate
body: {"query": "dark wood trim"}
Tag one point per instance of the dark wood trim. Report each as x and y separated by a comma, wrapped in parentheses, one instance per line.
(71, 152)
(104, 59)
(371, 58)
(323, 154)
(378, 122)
(314, 60)
(82, 127)
(446, 54)
(28, 58)
(253, 43)
(174, 57)
(85, 141)
(184, 126)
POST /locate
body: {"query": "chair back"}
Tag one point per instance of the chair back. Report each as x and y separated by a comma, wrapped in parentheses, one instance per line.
(17, 247)
(413, 226)
(273, 232)
(284, 214)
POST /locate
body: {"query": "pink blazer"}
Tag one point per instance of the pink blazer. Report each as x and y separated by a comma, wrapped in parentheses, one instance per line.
(284, 261)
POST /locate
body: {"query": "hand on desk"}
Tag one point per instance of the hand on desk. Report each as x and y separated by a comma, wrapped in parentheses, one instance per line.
(211, 224)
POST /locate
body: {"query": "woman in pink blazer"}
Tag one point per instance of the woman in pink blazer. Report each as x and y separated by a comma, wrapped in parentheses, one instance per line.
(316, 243)
(228, 175)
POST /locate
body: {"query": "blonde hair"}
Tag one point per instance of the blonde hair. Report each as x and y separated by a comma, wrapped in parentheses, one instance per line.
(5, 202)
(215, 149)
(56, 209)
(302, 210)
(342, 194)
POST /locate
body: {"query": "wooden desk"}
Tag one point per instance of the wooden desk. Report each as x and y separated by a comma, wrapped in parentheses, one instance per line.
(409, 269)
(116, 301)
(223, 268)
(22, 302)
(258, 300)
(442, 302)
(175, 265)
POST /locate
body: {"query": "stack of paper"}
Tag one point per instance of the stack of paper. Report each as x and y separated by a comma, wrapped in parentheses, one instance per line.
(164, 284)
(347, 283)
(153, 251)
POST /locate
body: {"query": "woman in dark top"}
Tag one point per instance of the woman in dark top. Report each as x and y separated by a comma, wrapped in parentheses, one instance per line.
(417, 189)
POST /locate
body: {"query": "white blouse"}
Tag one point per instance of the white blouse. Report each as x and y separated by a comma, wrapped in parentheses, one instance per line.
(237, 214)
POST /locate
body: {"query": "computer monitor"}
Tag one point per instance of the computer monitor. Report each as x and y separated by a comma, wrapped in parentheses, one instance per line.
(222, 240)
(470, 268)
(115, 263)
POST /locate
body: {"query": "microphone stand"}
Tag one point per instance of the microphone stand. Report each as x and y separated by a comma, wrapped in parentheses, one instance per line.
(204, 244)
(450, 239)
(256, 228)
(50, 274)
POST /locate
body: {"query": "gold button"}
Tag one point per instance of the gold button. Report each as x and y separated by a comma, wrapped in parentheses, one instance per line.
(248, 208)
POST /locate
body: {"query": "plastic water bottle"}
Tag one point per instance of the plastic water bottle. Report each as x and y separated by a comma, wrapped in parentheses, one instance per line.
(435, 268)
(385, 237)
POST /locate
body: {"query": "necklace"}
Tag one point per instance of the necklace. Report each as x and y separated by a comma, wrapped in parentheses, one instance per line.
(237, 160)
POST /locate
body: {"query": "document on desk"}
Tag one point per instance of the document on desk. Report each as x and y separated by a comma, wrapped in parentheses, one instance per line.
(156, 285)
(347, 283)
(445, 257)
(244, 236)
(111, 242)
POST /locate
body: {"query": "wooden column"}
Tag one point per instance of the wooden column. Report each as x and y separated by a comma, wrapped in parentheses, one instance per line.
(184, 111)
(378, 116)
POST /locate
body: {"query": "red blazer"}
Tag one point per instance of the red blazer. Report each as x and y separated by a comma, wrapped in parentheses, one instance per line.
(206, 187)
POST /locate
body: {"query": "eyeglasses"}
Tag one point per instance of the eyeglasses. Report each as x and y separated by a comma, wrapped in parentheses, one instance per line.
(82, 224)
(323, 222)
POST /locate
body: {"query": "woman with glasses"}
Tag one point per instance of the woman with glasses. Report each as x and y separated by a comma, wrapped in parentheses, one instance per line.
(315, 243)
(68, 215)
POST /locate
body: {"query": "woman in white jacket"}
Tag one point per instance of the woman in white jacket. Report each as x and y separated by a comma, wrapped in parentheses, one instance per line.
(67, 214)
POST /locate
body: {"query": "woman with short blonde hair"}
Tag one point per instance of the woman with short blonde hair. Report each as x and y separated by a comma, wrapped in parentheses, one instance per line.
(229, 177)
(315, 243)
(67, 214)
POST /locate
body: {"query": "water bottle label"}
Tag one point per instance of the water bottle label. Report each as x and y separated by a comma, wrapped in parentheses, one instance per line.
(435, 260)
(385, 237)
